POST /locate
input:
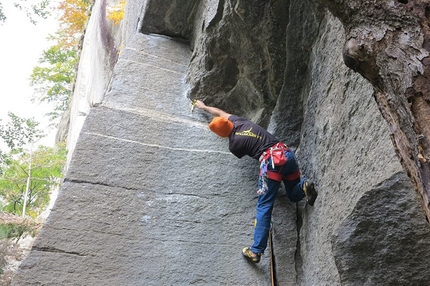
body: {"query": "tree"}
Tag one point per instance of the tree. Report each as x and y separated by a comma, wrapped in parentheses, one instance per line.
(20, 131)
(54, 79)
(17, 133)
(46, 171)
(116, 13)
(388, 43)
(38, 9)
(2, 15)
(74, 17)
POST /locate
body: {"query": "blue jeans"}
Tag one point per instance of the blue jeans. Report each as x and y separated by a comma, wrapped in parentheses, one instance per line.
(266, 200)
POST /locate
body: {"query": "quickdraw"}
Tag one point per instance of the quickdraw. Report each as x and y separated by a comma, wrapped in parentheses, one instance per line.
(193, 104)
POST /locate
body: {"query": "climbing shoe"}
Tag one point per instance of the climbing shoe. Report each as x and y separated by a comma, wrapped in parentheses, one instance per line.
(254, 257)
(310, 193)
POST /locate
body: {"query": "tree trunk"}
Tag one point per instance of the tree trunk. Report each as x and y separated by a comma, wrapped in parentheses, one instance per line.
(388, 43)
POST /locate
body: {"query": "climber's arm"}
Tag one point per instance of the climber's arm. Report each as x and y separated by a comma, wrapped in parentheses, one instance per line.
(212, 110)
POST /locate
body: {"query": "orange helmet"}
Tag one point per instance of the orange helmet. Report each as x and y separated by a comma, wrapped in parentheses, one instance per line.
(221, 126)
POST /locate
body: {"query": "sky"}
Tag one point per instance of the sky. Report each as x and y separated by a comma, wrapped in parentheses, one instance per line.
(21, 45)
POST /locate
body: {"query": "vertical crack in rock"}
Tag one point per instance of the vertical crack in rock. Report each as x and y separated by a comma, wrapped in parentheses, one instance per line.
(298, 260)
(273, 262)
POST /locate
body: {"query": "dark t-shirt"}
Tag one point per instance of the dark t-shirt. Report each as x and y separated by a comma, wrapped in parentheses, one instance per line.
(248, 138)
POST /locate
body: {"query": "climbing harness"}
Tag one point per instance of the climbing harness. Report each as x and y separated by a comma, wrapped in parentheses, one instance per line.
(277, 155)
(277, 176)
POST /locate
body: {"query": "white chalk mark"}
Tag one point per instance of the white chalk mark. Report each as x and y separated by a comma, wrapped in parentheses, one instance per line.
(156, 145)
(156, 56)
(153, 66)
(157, 115)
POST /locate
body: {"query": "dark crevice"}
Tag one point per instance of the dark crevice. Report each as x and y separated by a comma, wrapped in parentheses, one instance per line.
(90, 183)
(218, 16)
(298, 255)
(75, 181)
(170, 36)
(273, 262)
(55, 250)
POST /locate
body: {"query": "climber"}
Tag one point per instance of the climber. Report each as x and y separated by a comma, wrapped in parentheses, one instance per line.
(277, 164)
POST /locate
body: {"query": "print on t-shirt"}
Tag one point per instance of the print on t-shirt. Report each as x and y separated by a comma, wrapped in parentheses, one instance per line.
(248, 138)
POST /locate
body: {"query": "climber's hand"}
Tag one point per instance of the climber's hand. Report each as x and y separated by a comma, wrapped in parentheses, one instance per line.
(199, 104)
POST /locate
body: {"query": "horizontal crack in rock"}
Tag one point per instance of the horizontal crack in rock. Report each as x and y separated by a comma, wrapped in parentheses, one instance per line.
(55, 250)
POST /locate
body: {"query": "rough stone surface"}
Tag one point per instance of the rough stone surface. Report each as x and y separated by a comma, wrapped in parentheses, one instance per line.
(388, 43)
(345, 148)
(100, 49)
(152, 197)
(239, 56)
(141, 186)
(287, 117)
(170, 18)
(385, 228)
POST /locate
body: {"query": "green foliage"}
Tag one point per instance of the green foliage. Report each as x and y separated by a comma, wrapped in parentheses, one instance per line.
(2, 15)
(17, 133)
(20, 131)
(12, 228)
(41, 9)
(33, 10)
(16, 230)
(45, 173)
(54, 78)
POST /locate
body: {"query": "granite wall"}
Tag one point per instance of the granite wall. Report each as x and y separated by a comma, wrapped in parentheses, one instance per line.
(152, 197)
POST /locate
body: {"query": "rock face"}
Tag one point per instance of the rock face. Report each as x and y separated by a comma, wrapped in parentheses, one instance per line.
(376, 231)
(388, 42)
(239, 56)
(152, 197)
